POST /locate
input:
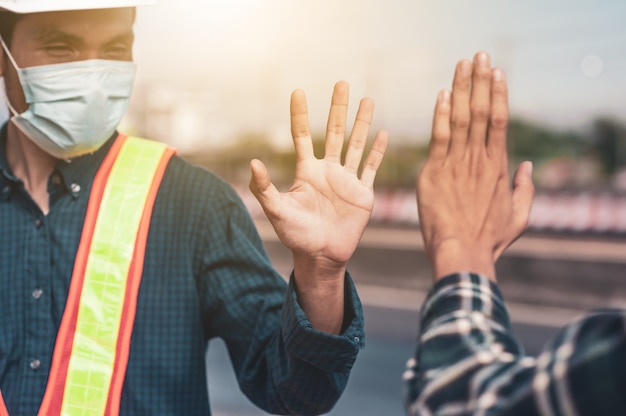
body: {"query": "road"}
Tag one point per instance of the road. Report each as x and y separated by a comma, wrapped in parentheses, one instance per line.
(375, 385)
(392, 276)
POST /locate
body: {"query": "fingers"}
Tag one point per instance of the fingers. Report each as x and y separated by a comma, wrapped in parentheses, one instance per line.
(440, 140)
(478, 113)
(374, 158)
(300, 130)
(480, 102)
(261, 186)
(358, 137)
(460, 111)
(335, 133)
(498, 123)
(336, 127)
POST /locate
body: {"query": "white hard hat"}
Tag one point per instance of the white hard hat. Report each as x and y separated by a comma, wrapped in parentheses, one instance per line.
(35, 6)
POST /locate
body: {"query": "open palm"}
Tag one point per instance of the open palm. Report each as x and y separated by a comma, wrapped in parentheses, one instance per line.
(325, 211)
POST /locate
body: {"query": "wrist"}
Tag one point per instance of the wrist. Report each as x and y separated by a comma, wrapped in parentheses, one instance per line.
(320, 289)
(321, 272)
(454, 256)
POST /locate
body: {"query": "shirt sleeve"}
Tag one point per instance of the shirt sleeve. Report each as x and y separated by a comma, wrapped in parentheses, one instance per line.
(468, 361)
(282, 364)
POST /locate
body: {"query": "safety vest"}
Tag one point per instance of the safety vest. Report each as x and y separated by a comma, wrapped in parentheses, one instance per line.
(93, 342)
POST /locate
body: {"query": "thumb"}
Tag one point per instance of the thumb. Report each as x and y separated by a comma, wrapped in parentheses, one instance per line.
(261, 186)
(523, 192)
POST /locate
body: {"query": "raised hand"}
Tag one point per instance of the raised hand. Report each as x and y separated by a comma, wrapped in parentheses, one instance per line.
(468, 212)
(325, 211)
(322, 216)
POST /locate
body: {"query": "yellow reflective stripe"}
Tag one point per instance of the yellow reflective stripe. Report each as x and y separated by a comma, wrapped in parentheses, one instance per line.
(102, 299)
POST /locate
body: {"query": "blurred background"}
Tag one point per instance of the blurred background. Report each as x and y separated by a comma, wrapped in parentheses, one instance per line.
(214, 80)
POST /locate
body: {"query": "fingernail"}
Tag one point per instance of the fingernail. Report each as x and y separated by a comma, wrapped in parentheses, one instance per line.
(444, 96)
(466, 68)
(498, 75)
(529, 170)
(483, 58)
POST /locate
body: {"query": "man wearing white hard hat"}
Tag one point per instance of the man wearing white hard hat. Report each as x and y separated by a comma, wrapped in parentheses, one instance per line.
(119, 261)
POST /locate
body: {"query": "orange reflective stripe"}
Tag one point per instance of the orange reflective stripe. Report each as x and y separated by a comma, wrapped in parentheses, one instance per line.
(65, 336)
(147, 158)
(3, 408)
(131, 164)
(53, 397)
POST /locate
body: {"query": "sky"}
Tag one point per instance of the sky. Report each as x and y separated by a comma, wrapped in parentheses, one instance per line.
(565, 59)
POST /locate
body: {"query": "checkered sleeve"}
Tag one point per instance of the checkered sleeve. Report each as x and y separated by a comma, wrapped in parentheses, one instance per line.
(282, 364)
(332, 353)
(469, 363)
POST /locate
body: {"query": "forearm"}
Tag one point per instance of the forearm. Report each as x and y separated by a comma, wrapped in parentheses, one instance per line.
(320, 291)
(311, 368)
(468, 360)
(455, 256)
(465, 347)
(282, 363)
(299, 370)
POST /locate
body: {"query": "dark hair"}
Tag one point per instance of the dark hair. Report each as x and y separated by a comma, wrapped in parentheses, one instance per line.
(7, 24)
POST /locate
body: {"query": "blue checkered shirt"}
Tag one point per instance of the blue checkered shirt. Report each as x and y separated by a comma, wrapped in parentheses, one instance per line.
(469, 363)
(206, 275)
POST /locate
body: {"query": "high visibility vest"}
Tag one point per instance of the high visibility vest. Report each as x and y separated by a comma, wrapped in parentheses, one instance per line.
(93, 343)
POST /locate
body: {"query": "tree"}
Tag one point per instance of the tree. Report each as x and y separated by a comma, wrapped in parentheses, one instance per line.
(530, 141)
(608, 142)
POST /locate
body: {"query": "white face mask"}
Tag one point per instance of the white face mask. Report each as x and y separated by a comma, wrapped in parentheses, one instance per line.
(73, 107)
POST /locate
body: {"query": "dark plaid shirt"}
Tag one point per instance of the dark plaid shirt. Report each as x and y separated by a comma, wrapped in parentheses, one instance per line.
(206, 275)
(469, 363)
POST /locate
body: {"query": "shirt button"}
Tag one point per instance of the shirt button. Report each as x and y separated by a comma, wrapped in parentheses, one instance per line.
(75, 187)
(56, 179)
(6, 189)
(37, 293)
(38, 222)
(35, 364)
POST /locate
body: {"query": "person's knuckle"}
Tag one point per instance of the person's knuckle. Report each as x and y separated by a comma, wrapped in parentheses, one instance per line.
(460, 121)
(482, 75)
(336, 128)
(480, 112)
(499, 120)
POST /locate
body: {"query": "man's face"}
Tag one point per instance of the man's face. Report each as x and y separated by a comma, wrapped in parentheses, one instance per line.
(57, 37)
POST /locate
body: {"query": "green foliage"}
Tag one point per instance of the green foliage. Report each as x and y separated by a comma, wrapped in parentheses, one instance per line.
(604, 142)
(608, 142)
(530, 141)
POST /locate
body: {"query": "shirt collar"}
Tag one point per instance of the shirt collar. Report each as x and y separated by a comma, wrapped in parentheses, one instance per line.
(77, 173)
